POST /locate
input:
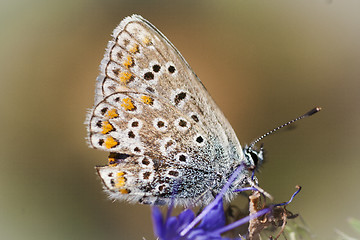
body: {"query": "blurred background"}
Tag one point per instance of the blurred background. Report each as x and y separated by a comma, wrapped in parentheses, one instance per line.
(264, 63)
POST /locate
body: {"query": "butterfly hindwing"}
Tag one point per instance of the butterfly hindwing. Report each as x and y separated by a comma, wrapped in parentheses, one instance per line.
(152, 181)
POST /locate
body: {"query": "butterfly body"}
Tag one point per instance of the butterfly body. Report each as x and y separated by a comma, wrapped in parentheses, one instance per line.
(168, 141)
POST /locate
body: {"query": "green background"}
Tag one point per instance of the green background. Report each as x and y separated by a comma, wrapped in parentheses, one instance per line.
(264, 63)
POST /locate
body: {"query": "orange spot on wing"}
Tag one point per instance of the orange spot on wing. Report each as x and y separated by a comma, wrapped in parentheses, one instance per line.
(123, 191)
(110, 142)
(120, 182)
(107, 127)
(147, 100)
(146, 40)
(134, 48)
(125, 77)
(111, 114)
(128, 62)
(128, 104)
(112, 162)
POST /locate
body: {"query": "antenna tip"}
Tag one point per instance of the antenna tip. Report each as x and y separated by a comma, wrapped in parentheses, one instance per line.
(313, 111)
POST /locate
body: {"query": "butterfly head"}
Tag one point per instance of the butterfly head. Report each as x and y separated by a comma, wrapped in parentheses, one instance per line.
(254, 157)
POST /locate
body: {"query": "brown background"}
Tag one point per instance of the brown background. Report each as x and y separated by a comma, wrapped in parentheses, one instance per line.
(264, 63)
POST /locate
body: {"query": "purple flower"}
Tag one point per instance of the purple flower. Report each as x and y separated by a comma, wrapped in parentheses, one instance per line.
(170, 229)
(211, 220)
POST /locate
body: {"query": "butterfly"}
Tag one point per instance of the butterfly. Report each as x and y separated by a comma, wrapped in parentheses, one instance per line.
(168, 141)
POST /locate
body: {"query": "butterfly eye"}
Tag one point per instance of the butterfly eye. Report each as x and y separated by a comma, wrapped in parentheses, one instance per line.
(254, 158)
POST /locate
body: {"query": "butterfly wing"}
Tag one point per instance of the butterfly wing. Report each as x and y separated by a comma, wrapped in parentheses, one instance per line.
(149, 103)
(141, 59)
(155, 181)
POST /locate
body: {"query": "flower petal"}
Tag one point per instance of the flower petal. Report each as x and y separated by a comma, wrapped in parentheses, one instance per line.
(214, 219)
(158, 222)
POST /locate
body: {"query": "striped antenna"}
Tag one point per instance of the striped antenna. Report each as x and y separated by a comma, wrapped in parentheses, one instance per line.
(308, 114)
